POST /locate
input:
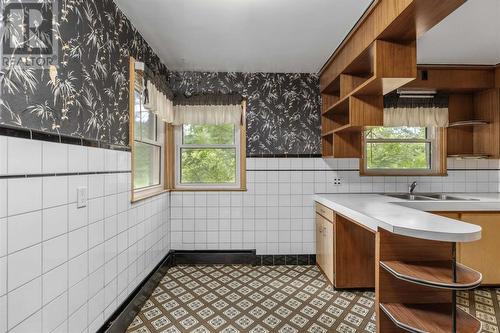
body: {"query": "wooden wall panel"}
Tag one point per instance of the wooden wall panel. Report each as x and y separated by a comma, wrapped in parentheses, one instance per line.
(455, 79)
(459, 139)
(487, 138)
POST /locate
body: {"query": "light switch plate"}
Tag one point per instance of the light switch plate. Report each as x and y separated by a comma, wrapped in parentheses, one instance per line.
(81, 197)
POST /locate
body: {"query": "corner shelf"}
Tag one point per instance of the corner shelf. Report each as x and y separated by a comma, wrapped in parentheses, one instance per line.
(470, 156)
(438, 274)
(434, 318)
(468, 123)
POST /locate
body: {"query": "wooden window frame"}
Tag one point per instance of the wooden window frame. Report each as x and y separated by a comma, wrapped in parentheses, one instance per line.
(164, 186)
(193, 188)
(440, 169)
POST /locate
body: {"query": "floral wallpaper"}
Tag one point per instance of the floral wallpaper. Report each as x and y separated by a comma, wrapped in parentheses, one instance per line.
(283, 113)
(89, 95)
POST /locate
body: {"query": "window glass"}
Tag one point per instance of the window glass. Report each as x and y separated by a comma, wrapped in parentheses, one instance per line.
(398, 155)
(399, 148)
(208, 166)
(146, 165)
(208, 134)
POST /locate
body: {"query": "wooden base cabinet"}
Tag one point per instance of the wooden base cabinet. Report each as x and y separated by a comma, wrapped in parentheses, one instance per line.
(325, 246)
(481, 255)
(345, 251)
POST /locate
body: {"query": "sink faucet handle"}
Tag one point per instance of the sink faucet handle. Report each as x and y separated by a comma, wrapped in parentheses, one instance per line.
(411, 188)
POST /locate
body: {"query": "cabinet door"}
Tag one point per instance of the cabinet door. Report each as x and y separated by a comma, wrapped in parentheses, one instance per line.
(329, 251)
(482, 255)
(319, 241)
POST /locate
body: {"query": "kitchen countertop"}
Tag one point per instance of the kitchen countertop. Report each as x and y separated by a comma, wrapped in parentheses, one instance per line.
(410, 218)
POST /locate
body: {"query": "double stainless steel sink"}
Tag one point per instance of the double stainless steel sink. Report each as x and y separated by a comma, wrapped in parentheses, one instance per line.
(428, 197)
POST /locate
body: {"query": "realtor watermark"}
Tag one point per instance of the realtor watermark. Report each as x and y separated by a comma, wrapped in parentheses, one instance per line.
(27, 31)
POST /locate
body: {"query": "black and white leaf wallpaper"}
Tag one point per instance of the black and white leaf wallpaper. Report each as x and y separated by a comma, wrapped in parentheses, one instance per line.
(283, 113)
(89, 97)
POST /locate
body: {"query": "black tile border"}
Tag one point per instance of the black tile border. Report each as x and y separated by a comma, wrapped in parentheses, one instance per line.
(119, 321)
(289, 259)
(214, 257)
(63, 174)
(26, 133)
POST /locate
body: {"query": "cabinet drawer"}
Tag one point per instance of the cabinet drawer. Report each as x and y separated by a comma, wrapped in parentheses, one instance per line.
(326, 212)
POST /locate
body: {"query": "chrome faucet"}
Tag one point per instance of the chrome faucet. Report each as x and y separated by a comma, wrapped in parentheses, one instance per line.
(411, 188)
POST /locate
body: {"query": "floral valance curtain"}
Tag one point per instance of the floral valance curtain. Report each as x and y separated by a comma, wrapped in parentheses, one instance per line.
(158, 97)
(208, 109)
(416, 112)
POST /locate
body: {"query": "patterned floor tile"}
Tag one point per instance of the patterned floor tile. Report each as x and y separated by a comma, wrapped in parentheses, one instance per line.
(265, 299)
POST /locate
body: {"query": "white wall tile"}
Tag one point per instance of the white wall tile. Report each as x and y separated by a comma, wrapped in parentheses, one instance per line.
(55, 191)
(77, 158)
(3, 314)
(24, 195)
(24, 156)
(78, 321)
(54, 221)
(3, 237)
(54, 157)
(95, 159)
(77, 217)
(31, 324)
(55, 283)
(3, 198)
(55, 313)
(111, 160)
(3, 155)
(77, 269)
(55, 252)
(3, 276)
(23, 302)
(18, 238)
(77, 242)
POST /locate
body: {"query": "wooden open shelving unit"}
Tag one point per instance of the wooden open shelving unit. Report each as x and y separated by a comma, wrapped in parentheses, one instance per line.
(416, 284)
(377, 57)
(355, 98)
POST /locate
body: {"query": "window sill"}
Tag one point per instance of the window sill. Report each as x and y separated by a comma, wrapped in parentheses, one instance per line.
(143, 196)
(209, 189)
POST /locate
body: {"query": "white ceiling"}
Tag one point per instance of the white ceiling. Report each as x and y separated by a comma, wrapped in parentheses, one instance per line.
(244, 35)
(469, 35)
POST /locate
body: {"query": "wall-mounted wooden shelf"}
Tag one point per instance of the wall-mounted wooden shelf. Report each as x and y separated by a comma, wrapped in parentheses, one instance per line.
(437, 274)
(430, 318)
(474, 130)
(354, 99)
(468, 123)
(470, 156)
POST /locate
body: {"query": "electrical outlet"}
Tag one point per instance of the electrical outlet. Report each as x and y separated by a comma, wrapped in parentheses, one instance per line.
(337, 181)
(81, 197)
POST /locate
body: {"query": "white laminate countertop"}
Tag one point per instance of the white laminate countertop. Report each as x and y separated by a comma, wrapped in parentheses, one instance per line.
(410, 218)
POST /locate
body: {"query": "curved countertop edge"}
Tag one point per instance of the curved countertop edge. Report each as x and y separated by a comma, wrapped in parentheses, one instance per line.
(469, 232)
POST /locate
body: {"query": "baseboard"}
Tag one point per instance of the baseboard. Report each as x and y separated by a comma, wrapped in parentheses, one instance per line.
(119, 321)
(213, 257)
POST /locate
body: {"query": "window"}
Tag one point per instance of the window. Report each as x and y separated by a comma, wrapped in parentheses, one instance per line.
(402, 150)
(209, 157)
(148, 145)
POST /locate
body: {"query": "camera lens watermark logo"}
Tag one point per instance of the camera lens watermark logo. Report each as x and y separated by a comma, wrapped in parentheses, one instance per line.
(28, 34)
